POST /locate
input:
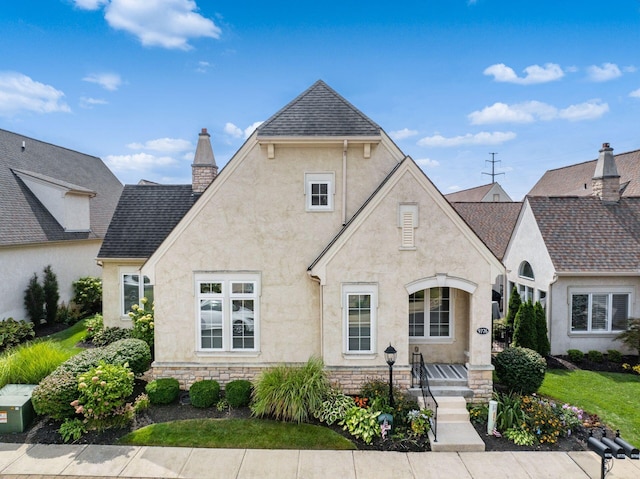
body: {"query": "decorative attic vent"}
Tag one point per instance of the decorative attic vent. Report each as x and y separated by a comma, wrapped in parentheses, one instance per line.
(408, 222)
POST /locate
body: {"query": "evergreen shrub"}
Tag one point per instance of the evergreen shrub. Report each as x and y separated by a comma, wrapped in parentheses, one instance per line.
(238, 393)
(521, 370)
(163, 391)
(204, 393)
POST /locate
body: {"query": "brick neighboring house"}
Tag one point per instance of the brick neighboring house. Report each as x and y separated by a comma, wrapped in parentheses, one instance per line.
(55, 207)
(319, 237)
(579, 253)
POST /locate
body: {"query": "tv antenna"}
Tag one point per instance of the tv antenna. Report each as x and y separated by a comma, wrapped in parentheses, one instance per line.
(493, 162)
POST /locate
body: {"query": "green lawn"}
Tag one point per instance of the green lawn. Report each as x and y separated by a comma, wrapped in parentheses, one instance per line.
(614, 397)
(238, 433)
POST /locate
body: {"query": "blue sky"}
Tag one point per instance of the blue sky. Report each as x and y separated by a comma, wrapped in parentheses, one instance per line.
(541, 83)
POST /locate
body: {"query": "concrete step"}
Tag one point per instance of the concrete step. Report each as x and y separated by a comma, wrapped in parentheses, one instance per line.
(439, 391)
(456, 437)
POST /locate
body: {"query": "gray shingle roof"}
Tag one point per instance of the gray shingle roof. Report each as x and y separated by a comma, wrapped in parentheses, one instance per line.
(472, 194)
(23, 219)
(492, 222)
(584, 234)
(319, 111)
(145, 216)
(575, 180)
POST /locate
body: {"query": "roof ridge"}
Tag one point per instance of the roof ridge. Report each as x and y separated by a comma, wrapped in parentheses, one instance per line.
(25, 137)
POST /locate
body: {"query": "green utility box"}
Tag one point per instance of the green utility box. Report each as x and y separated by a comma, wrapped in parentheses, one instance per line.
(16, 410)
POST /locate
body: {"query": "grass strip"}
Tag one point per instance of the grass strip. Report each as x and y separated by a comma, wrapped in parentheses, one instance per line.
(239, 434)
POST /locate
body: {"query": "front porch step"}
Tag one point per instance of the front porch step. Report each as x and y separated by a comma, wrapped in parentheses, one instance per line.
(455, 431)
(442, 391)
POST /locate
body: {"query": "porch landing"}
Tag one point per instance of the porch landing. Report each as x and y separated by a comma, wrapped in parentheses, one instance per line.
(446, 380)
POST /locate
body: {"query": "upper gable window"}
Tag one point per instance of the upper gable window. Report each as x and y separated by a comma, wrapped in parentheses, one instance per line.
(526, 271)
(319, 191)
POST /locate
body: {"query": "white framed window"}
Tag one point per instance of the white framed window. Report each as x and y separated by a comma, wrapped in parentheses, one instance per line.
(599, 312)
(526, 271)
(431, 314)
(227, 311)
(132, 290)
(319, 190)
(359, 305)
(526, 292)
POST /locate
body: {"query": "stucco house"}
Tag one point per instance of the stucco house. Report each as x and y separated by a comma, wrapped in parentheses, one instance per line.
(580, 257)
(491, 192)
(319, 237)
(55, 207)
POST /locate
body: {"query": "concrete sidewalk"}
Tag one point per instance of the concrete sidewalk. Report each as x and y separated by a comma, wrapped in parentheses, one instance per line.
(45, 461)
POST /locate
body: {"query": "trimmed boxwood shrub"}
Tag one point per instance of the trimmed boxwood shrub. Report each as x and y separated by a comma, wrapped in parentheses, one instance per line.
(575, 355)
(595, 356)
(204, 393)
(83, 361)
(134, 352)
(107, 336)
(163, 391)
(54, 394)
(520, 369)
(614, 356)
(238, 393)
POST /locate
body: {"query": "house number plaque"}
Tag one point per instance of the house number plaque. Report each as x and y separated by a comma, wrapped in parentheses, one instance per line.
(482, 330)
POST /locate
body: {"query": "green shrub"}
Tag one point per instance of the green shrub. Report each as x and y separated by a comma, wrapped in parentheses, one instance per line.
(131, 351)
(362, 424)
(54, 394)
(238, 393)
(290, 393)
(514, 306)
(34, 301)
(163, 391)
(575, 355)
(334, 407)
(614, 356)
(51, 295)
(525, 333)
(30, 363)
(143, 325)
(102, 394)
(87, 294)
(204, 393)
(520, 369)
(93, 325)
(72, 429)
(83, 361)
(631, 337)
(595, 356)
(542, 343)
(509, 413)
(14, 332)
(107, 336)
(68, 314)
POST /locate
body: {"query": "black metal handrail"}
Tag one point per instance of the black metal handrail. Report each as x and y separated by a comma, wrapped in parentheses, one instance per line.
(419, 379)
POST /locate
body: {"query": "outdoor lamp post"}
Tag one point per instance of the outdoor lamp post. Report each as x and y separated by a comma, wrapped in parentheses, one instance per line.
(390, 356)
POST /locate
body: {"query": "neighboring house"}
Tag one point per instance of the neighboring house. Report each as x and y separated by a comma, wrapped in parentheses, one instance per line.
(580, 257)
(319, 237)
(55, 207)
(492, 192)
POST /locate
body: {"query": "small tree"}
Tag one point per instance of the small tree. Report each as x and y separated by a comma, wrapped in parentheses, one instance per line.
(87, 294)
(514, 305)
(34, 301)
(51, 294)
(544, 348)
(631, 337)
(524, 331)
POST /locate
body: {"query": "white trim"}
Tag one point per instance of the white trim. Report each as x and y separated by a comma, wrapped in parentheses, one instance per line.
(349, 289)
(129, 270)
(440, 280)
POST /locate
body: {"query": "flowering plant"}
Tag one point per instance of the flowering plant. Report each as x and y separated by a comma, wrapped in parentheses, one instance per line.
(419, 421)
(143, 322)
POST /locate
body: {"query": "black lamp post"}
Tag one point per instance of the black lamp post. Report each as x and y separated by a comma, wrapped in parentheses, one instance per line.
(390, 357)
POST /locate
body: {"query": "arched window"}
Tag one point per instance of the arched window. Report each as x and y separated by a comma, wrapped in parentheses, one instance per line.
(526, 271)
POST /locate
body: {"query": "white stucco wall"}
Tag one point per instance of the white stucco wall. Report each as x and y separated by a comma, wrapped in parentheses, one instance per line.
(253, 219)
(69, 261)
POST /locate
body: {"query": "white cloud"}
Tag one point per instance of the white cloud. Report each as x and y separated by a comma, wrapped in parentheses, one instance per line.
(608, 71)
(403, 134)
(629, 69)
(635, 93)
(139, 162)
(589, 110)
(157, 23)
(482, 138)
(90, 102)
(427, 163)
(533, 73)
(203, 67)
(237, 132)
(164, 145)
(108, 81)
(19, 92)
(89, 4)
(530, 111)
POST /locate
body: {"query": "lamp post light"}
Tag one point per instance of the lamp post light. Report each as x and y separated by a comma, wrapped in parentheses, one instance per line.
(390, 357)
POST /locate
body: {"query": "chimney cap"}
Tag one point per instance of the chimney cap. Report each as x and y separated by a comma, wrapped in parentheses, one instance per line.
(606, 145)
(204, 132)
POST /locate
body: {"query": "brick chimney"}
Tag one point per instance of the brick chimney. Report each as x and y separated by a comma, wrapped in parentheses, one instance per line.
(606, 180)
(203, 169)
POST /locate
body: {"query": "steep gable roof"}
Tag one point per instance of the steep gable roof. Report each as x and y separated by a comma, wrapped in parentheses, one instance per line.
(583, 234)
(472, 194)
(319, 111)
(575, 180)
(23, 218)
(145, 215)
(492, 222)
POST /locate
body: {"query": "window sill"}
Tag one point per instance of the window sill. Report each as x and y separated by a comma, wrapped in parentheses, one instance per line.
(431, 340)
(357, 356)
(227, 354)
(594, 334)
(407, 248)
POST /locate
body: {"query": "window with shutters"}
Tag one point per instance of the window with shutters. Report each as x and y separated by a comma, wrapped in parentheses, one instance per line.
(407, 222)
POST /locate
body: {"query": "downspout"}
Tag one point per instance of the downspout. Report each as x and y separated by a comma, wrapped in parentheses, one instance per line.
(315, 278)
(344, 182)
(549, 295)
